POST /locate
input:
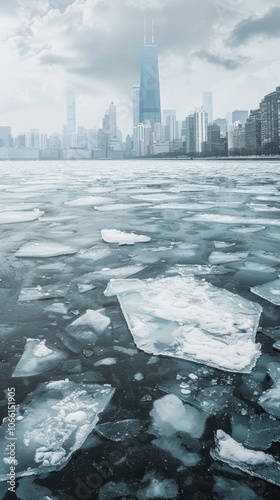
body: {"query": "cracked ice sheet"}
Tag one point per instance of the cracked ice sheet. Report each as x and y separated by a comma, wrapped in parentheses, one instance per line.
(55, 420)
(255, 463)
(189, 319)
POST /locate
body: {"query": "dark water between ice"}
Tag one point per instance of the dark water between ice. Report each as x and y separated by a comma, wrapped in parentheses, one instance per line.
(184, 207)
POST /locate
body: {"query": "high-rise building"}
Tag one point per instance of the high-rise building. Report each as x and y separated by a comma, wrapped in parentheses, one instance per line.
(253, 133)
(5, 137)
(190, 135)
(207, 105)
(135, 104)
(71, 112)
(200, 128)
(240, 116)
(223, 124)
(236, 139)
(166, 113)
(150, 107)
(270, 127)
(113, 121)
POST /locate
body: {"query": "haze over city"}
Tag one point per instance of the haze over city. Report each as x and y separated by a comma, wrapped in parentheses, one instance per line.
(227, 46)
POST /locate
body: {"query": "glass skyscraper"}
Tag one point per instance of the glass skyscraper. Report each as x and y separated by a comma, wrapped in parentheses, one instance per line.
(149, 106)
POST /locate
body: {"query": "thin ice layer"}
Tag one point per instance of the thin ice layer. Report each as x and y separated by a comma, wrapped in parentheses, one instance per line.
(255, 463)
(54, 422)
(44, 249)
(190, 319)
(270, 399)
(12, 217)
(269, 291)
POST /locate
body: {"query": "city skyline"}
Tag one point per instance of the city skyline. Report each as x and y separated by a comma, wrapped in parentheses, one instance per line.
(46, 44)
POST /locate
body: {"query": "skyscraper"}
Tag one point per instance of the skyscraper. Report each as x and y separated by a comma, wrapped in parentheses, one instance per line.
(113, 121)
(207, 105)
(149, 108)
(71, 112)
(270, 122)
(201, 129)
(135, 104)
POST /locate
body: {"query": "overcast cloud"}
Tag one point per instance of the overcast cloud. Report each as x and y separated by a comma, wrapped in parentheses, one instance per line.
(229, 47)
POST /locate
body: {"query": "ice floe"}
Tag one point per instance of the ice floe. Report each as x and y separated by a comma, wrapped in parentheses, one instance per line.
(120, 430)
(13, 217)
(37, 358)
(255, 463)
(43, 292)
(44, 249)
(54, 422)
(269, 291)
(88, 201)
(122, 238)
(224, 258)
(190, 319)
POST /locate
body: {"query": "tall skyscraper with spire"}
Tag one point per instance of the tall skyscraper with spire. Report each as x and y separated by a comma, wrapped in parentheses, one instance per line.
(149, 106)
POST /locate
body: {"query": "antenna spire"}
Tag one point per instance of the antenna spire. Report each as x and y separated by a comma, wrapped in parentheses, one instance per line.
(153, 31)
(145, 29)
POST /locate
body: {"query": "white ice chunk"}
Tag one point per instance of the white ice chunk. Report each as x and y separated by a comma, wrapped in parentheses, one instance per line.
(13, 217)
(224, 258)
(196, 270)
(37, 358)
(106, 362)
(92, 319)
(223, 244)
(56, 420)
(170, 415)
(122, 238)
(192, 320)
(44, 249)
(233, 219)
(269, 291)
(85, 288)
(255, 463)
(42, 292)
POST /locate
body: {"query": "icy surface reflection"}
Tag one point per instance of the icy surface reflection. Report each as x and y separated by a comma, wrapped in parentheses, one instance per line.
(140, 329)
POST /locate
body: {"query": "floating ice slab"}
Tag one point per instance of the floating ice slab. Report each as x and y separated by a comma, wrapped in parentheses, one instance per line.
(158, 488)
(119, 272)
(94, 254)
(121, 430)
(269, 291)
(255, 463)
(223, 244)
(92, 319)
(43, 292)
(173, 445)
(37, 358)
(122, 238)
(224, 258)
(232, 219)
(14, 217)
(270, 400)
(119, 206)
(192, 320)
(44, 249)
(54, 422)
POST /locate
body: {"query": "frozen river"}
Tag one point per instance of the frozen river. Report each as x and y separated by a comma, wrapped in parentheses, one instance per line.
(140, 330)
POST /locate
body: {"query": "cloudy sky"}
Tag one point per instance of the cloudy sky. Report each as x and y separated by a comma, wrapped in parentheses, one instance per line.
(230, 47)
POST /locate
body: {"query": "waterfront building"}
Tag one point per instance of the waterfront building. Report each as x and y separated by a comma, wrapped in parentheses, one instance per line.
(270, 123)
